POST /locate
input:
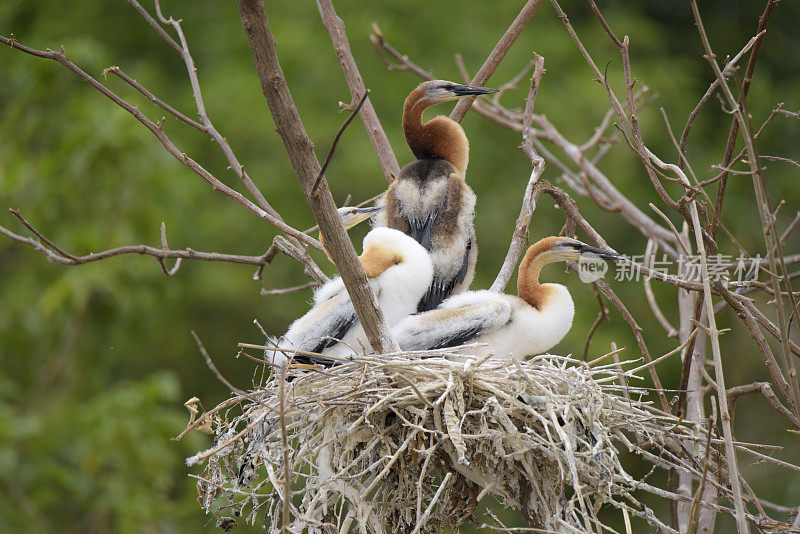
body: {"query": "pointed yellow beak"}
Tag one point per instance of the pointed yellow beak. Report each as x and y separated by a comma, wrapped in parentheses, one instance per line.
(353, 216)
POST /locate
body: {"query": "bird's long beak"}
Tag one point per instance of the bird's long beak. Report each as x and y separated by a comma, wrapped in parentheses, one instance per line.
(472, 90)
(357, 215)
(604, 254)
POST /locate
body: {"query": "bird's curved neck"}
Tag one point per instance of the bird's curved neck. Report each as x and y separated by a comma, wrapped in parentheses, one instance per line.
(439, 138)
(529, 288)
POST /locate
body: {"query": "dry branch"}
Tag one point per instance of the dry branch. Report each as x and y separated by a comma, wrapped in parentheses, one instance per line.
(520, 234)
(497, 55)
(304, 162)
(54, 252)
(158, 130)
(734, 131)
(380, 143)
(767, 219)
(363, 98)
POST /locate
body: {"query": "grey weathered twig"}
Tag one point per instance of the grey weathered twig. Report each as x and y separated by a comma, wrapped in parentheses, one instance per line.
(375, 132)
(529, 198)
(301, 154)
(497, 55)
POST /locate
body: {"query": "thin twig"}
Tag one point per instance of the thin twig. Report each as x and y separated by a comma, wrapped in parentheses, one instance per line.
(713, 335)
(213, 367)
(153, 98)
(372, 125)
(763, 21)
(649, 255)
(497, 55)
(767, 221)
(602, 315)
(191, 71)
(529, 198)
(336, 141)
(287, 470)
(287, 290)
(61, 256)
(60, 57)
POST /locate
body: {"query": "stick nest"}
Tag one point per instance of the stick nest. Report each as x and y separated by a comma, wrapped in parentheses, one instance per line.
(412, 442)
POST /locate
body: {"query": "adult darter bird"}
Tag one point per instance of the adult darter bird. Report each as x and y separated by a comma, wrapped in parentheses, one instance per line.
(430, 200)
(512, 326)
(399, 271)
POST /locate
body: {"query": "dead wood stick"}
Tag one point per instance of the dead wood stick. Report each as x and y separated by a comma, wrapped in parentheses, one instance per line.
(55, 253)
(734, 130)
(529, 198)
(375, 132)
(344, 126)
(497, 55)
(306, 167)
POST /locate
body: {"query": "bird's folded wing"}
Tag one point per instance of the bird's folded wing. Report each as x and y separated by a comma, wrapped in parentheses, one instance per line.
(443, 328)
(320, 328)
(441, 289)
(329, 290)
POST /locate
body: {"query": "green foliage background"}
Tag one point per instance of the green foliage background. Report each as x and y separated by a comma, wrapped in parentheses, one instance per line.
(96, 360)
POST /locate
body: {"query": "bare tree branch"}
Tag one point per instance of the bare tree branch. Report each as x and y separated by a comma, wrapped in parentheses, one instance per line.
(338, 136)
(734, 131)
(529, 198)
(57, 254)
(380, 143)
(153, 98)
(497, 55)
(395, 61)
(301, 154)
(158, 130)
(767, 220)
(287, 290)
(191, 70)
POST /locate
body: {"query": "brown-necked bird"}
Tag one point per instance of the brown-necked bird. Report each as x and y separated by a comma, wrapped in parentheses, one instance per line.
(430, 201)
(511, 326)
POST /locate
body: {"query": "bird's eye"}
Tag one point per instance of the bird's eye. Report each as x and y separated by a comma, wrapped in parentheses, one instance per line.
(448, 87)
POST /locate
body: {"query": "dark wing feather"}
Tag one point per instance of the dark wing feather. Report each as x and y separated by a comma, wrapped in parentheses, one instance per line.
(436, 329)
(338, 332)
(420, 231)
(465, 336)
(442, 289)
